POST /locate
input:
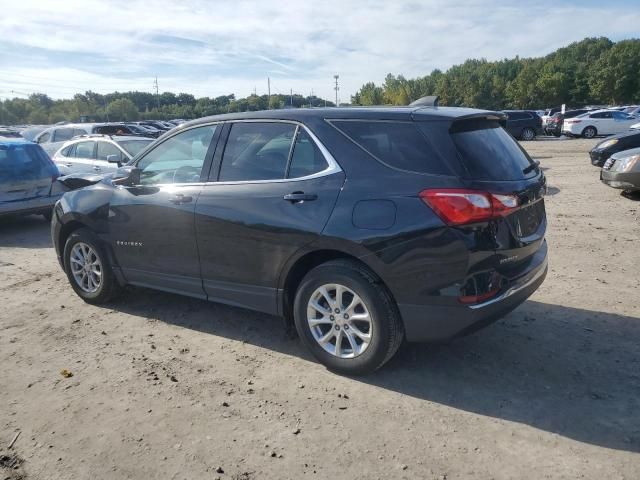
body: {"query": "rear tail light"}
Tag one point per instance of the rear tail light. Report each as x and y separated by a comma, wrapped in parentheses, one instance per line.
(460, 206)
(573, 121)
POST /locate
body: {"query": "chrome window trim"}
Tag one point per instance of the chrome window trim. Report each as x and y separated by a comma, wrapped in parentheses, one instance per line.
(332, 164)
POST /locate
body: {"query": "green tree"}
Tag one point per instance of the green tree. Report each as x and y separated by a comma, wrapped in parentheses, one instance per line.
(122, 109)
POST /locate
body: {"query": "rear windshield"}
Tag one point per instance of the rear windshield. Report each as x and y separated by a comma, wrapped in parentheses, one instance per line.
(489, 152)
(25, 162)
(396, 144)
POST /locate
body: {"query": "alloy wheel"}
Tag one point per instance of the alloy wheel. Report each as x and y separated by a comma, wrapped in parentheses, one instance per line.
(339, 320)
(86, 267)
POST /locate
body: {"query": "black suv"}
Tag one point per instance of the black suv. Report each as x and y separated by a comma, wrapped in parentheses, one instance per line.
(523, 124)
(361, 226)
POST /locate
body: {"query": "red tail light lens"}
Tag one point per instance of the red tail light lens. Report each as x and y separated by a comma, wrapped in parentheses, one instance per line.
(460, 206)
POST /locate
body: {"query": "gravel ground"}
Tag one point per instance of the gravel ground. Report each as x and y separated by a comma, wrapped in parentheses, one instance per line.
(175, 388)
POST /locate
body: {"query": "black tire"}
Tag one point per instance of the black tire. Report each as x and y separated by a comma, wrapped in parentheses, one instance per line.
(108, 287)
(386, 324)
(589, 132)
(528, 134)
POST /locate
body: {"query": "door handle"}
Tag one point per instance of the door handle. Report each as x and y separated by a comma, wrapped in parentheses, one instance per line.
(179, 199)
(299, 197)
(97, 168)
(69, 164)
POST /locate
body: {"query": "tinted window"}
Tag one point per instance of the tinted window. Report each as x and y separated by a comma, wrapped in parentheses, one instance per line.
(44, 137)
(517, 115)
(396, 144)
(85, 150)
(67, 151)
(106, 149)
(178, 159)
(488, 151)
(78, 131)
(307, 158)
(257, 151)
(63, 134)
(620, 116)
(601, 115)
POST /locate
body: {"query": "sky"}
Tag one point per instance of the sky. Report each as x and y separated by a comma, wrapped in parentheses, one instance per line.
(218, 47)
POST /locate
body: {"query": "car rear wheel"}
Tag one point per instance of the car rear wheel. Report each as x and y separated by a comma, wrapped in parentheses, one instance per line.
(589, 132)
(347, 318)
(528, 134)
(88, 269)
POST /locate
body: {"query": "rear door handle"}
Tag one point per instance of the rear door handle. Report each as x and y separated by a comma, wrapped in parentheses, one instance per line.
(179, 199)
(96, 168)
(297, 197)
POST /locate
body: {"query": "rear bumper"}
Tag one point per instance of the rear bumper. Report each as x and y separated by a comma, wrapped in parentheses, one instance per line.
(621, 180)
(435, 323)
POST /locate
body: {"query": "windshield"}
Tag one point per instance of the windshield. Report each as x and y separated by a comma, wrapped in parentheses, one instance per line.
(133, 147)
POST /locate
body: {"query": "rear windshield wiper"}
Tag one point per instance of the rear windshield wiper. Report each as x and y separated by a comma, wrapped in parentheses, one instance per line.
(532, 167)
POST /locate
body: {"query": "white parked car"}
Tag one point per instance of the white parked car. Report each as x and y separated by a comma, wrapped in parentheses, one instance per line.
(599, 122)
(99, 153)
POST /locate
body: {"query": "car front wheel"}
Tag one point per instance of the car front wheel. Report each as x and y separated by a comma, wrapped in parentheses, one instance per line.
(347, 318)
(87, 268)
(528, 134)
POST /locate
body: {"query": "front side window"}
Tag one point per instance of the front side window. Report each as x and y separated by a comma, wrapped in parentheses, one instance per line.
(85, 150)
(179, 159)
(257, 151)
(106, 149)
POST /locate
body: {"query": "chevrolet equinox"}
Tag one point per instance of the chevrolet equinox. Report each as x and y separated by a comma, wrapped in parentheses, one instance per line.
(361, 226)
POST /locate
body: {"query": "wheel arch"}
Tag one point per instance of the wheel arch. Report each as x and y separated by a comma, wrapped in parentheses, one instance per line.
(291, 278)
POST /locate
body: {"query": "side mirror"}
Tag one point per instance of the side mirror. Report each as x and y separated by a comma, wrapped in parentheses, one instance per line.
(114, 159)
(127, 176)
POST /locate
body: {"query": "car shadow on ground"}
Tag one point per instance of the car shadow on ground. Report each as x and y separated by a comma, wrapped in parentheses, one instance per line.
(572, 372)
(31, 231)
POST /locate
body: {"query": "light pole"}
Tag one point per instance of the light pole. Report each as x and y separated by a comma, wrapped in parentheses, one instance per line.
(336, 88)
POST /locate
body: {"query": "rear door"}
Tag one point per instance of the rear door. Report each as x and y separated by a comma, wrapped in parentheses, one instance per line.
(82, 158)
(494, 162)
(272, 192)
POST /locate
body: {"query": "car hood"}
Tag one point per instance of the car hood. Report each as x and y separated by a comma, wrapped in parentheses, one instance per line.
(630, 136)
(626, 153)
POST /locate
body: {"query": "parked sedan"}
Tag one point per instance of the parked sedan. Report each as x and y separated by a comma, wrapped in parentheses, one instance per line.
(622, 170)
(99, 153)
(27, 178)
(555, 122)
(523, 124)
(346, 221)
(599, 122)
(624, 141)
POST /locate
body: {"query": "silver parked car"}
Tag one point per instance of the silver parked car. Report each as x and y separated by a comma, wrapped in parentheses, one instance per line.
(99, 153)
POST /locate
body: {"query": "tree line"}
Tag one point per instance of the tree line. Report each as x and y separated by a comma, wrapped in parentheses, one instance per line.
(592, 71)
(39, 108)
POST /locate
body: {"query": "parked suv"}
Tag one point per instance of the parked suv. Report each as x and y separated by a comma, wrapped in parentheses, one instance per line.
(555, 122)
(53, 138)
(99, 153)
(362, 226)
(523, 124)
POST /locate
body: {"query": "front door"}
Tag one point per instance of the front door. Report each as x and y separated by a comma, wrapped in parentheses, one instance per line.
(151, 225)
(274, 193)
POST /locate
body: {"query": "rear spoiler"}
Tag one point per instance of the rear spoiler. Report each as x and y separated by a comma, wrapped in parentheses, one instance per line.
(499, 117)
(428, 101)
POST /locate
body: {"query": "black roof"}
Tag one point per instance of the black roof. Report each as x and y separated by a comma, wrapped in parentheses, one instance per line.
(369, 113)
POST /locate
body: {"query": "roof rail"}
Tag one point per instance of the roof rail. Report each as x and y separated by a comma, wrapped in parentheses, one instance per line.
(92, 135)
(428, 101)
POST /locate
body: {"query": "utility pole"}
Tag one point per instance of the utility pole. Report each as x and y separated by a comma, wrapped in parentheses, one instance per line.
(155, 85)
(336, 88)
(291, 98)
(269, 91)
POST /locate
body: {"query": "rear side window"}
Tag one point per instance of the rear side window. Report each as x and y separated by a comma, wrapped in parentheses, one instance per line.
(489, 152)
(257, 151)
(25, 162)
(63, 134)
(85, 150)
(396, 144)
(307, 158)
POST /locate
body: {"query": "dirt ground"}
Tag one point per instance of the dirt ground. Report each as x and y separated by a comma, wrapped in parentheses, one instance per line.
(175, 388)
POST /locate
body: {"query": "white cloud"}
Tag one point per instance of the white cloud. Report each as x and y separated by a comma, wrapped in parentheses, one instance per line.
(213, 48)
